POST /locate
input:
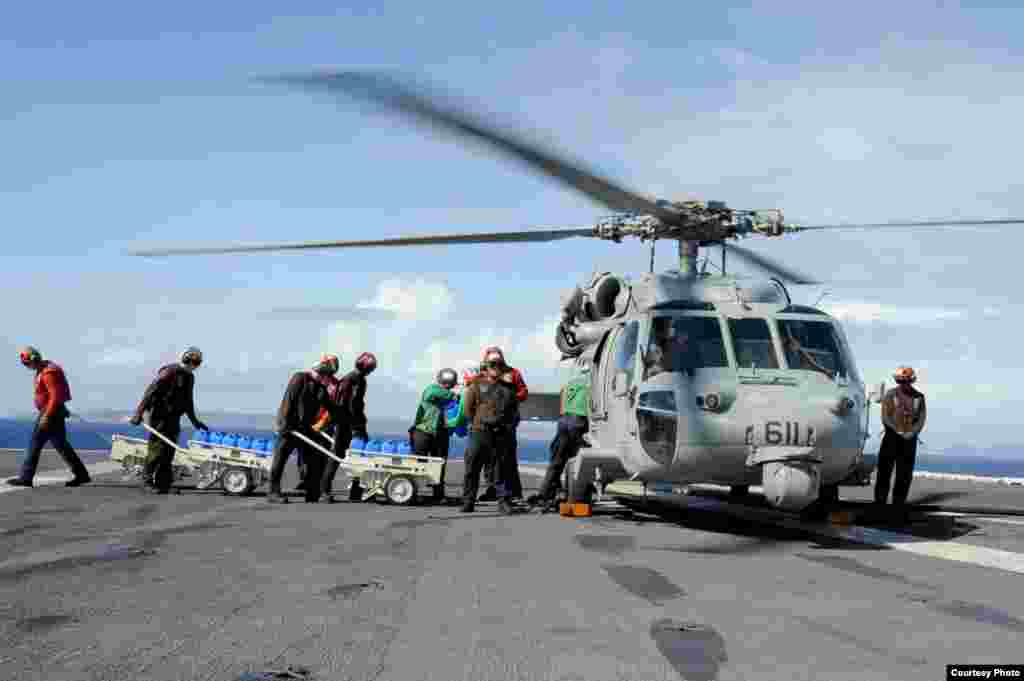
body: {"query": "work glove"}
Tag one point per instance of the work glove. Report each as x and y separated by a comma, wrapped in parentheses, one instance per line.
(136, 420)
(360, 434)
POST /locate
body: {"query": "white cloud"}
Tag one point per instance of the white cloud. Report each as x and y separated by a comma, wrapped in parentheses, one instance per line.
(413, 347)
(416, 300)
(119, 357)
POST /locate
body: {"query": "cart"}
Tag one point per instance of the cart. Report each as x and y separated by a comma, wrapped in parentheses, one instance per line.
(239, 471)
(402, 479)
(398, 478)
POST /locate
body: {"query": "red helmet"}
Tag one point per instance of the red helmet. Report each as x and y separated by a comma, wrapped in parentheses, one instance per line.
(491, 351)
(904, 375)
(328, 364)
(29, 356)
(366, 362)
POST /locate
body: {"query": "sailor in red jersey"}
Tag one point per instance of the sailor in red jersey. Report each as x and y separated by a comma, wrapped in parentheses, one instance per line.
(51, 394)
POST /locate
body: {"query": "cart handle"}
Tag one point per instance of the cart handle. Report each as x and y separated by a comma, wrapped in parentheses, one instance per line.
(318, 447)
(162, 437)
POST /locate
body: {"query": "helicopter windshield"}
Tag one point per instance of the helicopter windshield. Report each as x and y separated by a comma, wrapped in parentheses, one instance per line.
(684, 344)
(752, 342)
(813, 346)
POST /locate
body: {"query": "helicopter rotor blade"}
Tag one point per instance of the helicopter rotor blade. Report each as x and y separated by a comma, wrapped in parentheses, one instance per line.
(909, 225)
(413, 101)
(784, 273)
(532, 236)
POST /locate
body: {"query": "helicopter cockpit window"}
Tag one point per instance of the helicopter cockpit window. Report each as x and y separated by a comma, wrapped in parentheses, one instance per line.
(752, 342)
(625, 350)
(657, 420)
(813, 346)
(683, 344)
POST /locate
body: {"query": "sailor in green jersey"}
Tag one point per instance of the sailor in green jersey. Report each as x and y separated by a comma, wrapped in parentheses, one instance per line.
(574, 422)
(430, 435)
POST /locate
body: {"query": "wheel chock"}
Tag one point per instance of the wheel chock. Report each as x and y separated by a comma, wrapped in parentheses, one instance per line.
(569, 510)
(842, 517)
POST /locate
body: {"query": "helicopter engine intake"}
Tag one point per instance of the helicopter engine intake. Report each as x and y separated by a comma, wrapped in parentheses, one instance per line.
(588, 312)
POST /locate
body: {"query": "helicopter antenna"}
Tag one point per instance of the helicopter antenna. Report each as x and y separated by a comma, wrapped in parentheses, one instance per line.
(723, 258)
(820, 298)
(652, 255)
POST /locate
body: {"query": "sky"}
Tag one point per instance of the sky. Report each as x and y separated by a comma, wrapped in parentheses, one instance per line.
(141, 127)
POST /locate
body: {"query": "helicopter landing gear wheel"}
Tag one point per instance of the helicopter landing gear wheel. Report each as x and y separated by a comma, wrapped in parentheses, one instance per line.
(580, 490)
(237, 481)
(739, 491)
(829, 494)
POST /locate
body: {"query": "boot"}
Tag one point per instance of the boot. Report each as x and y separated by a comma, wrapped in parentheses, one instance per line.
(18, 482)
(490, 494)
(467, 507)
(275, 497)
(78, 480)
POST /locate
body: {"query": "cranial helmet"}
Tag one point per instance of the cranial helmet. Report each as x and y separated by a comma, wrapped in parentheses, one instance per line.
(29, 355)
(491, 352)
(366, 362)
(904, 375)
(447, 378)
(192, 355)
(327, 364)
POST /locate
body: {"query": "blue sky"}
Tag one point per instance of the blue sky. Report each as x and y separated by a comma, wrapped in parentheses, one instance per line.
(139, 126)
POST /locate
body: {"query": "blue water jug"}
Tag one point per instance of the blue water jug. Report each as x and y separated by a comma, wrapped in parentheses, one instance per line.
(216, 437)
(230, 440)
(357, 444)
(404, 448)
(373, 446)
(201, 436)
(388, 447)
(245, 442)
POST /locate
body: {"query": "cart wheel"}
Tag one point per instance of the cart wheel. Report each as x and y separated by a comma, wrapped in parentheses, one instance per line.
(401, 490)
(237, 481)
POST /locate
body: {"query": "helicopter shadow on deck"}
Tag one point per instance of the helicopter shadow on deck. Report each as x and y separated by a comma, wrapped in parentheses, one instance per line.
(756, 535)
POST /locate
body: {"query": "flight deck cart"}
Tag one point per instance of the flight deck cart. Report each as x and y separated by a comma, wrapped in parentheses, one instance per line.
(239, 471)
(401, 479)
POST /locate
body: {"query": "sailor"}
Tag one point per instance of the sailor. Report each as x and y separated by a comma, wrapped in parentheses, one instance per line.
(495, 354)
(324, 424)
(430, 434)
(51, 394)
(573, 423)
(903, 416)
(351, 420)
(168, 397)
(300, 408)
(492, 410)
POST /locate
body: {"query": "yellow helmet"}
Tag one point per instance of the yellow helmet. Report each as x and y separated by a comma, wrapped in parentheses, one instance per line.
(904, 375)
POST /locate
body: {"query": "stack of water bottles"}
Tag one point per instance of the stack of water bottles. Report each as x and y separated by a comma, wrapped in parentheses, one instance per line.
(455, 418)
(373, 447)
(261, 447)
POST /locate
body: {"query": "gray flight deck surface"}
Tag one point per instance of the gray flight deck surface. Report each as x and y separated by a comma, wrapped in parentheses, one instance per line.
(103, 582)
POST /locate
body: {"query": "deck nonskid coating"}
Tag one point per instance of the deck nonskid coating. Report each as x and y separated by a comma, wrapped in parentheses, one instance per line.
(102, 582)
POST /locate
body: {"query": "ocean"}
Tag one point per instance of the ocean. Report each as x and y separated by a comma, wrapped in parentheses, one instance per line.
(15, 434)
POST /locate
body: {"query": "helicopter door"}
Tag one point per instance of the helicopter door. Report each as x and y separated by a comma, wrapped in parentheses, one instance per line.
(622, 385)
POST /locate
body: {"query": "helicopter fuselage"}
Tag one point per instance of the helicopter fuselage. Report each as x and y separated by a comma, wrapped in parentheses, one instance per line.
(730, 385)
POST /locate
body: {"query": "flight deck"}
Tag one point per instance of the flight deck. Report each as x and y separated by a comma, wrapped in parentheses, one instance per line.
(104, 582)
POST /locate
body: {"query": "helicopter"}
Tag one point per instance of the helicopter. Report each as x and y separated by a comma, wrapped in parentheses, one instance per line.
(697, 377)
